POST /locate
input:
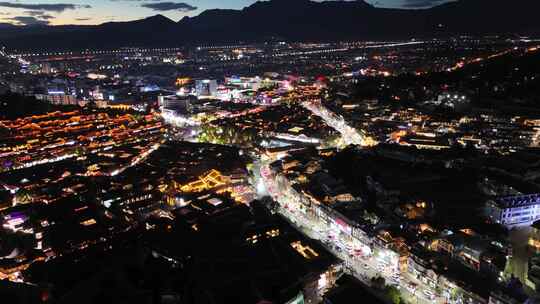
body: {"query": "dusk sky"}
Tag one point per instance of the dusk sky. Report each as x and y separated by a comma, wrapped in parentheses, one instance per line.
(56, 12)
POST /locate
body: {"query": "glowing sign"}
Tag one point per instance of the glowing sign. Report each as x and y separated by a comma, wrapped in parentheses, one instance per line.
(182, 81)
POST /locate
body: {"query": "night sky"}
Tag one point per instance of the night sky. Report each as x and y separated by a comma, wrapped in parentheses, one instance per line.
(56, 12)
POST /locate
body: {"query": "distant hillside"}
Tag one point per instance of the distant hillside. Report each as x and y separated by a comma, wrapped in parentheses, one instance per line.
(509, 82)
(298, 20)
(513, 79)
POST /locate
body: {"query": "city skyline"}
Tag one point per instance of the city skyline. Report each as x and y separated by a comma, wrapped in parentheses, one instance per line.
(56, 12)
(269, 151)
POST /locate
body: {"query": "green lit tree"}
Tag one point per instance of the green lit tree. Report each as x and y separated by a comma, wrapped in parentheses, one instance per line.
(393, 293)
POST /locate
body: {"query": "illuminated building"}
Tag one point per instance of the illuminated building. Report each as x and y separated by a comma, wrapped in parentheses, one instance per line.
(46, 68)
(534, 237)
(425, 142)
(208, 181)
(206, 88)
(123, 107)
(176, 110)
(306, 251)
(420, 266)
(181, 104)
(15, 221)
(453, 100)
(182, 81)
(59, 98)
(514, 211)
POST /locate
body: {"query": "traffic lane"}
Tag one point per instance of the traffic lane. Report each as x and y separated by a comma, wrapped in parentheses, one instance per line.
(365, 269)
(359, 271)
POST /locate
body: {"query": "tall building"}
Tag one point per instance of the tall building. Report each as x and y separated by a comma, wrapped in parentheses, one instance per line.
(206, 88)
(58, 98)
(46, 68)
(181, 104)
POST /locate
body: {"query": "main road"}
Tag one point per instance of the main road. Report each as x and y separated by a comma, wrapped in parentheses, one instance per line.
(362, 266)
(350, 135)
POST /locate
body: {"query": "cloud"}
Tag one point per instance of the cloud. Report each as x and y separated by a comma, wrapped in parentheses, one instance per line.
(50, 7)
(40, 15)
(422, 3)
(32, 18)
(83, 19)
(28, 20)
(169, 6)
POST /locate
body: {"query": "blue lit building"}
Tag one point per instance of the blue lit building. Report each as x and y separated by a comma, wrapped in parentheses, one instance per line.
(514, 211)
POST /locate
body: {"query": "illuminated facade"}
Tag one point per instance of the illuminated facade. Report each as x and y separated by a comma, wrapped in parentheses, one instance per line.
(534, 237)
(514, 211)
(208, 181)
(58, 98)
(206, 88)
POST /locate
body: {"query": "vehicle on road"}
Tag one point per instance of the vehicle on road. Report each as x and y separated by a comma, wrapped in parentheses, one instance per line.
(429, 294)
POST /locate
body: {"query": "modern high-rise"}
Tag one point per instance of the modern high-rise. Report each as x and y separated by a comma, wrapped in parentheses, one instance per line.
(174, 102)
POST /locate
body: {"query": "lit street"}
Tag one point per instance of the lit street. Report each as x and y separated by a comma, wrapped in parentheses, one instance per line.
(361, 266)
(350, 135)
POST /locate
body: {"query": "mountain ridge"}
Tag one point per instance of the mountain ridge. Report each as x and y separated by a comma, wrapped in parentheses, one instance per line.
(298, 20)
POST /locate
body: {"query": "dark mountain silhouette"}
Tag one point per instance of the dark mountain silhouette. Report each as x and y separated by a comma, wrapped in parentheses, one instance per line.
(151, 31)
(297, 20)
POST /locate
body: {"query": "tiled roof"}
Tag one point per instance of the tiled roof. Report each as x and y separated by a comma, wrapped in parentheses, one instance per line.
(519, 201)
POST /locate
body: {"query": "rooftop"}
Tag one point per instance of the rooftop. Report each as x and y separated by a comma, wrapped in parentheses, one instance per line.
(518, 201)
